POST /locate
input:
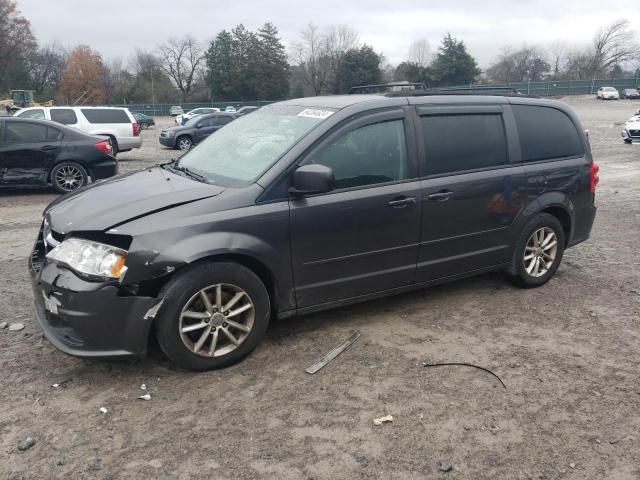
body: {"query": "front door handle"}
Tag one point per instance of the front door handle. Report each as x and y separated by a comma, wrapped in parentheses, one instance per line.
(401, 202)
(48, 147)
(440, 196)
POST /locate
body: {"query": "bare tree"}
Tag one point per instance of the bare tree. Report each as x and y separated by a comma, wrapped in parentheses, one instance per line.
(45, 67)
(557, 57)
(312, 57)
(613, 45)
(338, 39)
(420, 53)
(181, 59)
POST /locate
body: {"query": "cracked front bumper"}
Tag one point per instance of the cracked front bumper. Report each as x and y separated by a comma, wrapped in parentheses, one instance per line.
(88, 319)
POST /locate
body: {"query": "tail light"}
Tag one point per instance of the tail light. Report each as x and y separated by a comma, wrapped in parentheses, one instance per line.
(136, 129)
(595, 178)
(105, 147)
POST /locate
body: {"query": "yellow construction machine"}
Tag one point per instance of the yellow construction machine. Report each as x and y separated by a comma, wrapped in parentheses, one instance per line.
(21, 99)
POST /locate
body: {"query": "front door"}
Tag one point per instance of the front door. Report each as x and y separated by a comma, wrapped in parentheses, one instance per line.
(362, 237)
(472, 194)
(28, 152)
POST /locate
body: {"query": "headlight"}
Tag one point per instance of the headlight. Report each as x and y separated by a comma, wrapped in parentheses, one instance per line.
(170, 133)
(90, 258)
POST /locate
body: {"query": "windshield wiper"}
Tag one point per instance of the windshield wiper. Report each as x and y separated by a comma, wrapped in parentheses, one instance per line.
(173, 165)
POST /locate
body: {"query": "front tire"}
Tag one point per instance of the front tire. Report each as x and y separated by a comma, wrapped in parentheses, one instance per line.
(184, 143)
(68, 176)
(144, 126)
(214, 314)
(538, 252)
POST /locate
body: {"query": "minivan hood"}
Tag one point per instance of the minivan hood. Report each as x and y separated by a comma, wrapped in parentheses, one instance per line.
(106, 204)
(176, 129)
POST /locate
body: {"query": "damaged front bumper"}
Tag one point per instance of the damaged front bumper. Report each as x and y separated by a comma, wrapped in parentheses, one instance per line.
(88, 319)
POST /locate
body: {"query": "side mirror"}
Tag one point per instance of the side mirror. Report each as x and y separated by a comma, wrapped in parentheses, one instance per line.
(199, 125)
(311, 179)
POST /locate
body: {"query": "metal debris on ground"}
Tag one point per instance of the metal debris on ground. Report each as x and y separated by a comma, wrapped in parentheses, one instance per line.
(445, 466)
(62, 383)
(381, 420)
(103, 410)
(143, 387)
(317, 365)
(465, 365)
(145, 397)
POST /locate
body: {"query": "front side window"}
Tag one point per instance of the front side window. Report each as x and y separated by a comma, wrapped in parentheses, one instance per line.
(456, 143)
(23, 132)
(546, 133)
(239, 153)
(66, 116)
(35, 113)
(371, 154)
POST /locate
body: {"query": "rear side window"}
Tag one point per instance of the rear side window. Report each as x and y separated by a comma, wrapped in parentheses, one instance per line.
(21, 132)
(371, 154)
(222, 120)
(105, 115)
(455, 143)
(546, 133)
(37, 113)
(66, 116)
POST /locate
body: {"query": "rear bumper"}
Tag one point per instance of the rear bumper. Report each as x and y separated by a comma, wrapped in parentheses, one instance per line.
(583, 222)
(105, 169)
(129, 143)
(87, 319)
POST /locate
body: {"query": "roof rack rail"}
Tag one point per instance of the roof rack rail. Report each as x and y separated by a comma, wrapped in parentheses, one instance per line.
(501, 92)
(388, 87)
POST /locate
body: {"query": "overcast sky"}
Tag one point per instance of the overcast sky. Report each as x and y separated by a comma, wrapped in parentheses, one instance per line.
(116, 27)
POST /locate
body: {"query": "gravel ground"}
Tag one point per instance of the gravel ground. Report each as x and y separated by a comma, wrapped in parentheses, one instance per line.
(567, 352)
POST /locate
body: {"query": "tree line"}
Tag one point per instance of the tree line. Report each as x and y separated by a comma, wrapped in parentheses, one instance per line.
(244, 65)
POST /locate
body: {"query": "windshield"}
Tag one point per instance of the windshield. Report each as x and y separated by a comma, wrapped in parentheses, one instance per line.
(609, 89)
(193, 121)
(240, 152)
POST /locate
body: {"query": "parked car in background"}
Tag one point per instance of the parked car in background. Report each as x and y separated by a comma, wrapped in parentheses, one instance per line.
(230, 109)
(175, 110)
(311, 204)
(629, 93)
(114, 122)
(631, 130)
(183, 119)
(40, 152)
(247, 109)
(145, 121)
(194, 131)
(607, 93)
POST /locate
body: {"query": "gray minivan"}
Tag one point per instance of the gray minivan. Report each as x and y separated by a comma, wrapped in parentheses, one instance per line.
(310, 204)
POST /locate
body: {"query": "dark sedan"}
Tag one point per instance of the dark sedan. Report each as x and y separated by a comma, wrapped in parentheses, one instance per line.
(629, 93)
(195, 130)
(145, 121)
(40, 153)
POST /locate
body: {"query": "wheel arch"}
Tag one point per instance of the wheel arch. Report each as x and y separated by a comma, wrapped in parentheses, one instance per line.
(563, 217)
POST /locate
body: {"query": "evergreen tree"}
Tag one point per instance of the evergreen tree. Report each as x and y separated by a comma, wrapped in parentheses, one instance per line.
(272, 65)
(219, 60)
(360, 66)
(453, 65)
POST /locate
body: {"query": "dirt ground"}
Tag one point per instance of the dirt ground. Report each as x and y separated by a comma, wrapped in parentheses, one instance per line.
(567, 352)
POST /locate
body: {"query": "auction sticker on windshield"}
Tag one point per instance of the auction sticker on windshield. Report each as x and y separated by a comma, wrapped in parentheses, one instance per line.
(315, 113)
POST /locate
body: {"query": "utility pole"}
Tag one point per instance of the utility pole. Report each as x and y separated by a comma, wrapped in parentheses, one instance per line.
(153, 93)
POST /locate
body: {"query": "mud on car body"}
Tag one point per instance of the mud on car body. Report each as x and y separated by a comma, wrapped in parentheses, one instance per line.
(310, 204)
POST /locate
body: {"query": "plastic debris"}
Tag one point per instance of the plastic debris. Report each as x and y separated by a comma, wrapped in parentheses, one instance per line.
(26, 444)
(381, 420)
(145, 397)
(143, 387)
(3, 325)
(16, 327)
(103, 410)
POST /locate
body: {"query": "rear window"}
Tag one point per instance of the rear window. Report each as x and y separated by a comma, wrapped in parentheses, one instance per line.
(38, 113)
(66, 116)
(105, 115)
(546, 133)
(456, 143)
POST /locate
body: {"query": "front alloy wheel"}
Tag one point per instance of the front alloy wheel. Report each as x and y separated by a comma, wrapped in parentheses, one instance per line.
(216, 320)
(184, 143)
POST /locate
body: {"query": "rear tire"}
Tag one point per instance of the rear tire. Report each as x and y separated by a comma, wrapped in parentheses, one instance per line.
(68, 176)
(538, 252)
(200, 337)
(114, 146)
(144, 126)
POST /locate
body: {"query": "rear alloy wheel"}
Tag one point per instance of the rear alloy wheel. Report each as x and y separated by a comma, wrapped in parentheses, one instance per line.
(68, 176)
(144, 126)
(184, 143)
(213, 315)
(538, 251)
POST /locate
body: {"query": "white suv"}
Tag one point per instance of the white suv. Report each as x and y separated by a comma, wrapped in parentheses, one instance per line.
(114, 122)
(608, 93)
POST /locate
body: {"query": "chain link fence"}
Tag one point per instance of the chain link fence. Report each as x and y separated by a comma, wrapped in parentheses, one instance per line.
(554, 88)
(162, 109)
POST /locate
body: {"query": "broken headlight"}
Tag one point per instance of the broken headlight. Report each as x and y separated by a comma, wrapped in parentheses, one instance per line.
(93, 259)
